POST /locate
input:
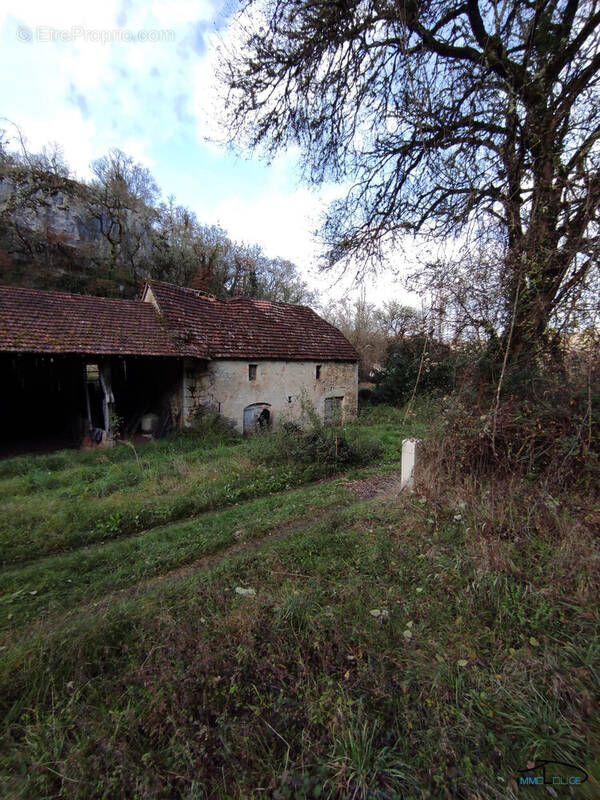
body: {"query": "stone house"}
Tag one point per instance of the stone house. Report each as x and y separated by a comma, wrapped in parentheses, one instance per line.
(74, 365)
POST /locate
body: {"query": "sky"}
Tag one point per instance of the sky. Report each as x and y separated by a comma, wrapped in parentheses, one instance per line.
(139, 75)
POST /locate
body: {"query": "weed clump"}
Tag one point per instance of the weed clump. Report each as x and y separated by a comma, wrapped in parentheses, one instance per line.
(318, 449)
(213, 427)
(546, 433)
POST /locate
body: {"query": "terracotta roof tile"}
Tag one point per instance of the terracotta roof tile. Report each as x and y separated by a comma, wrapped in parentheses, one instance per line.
(58, 322)
(187, 323)
(241, 327)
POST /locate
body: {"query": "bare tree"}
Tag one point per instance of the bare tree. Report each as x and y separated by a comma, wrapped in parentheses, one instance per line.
(448, 118)
(122, 199)
(397, 321)
(204, 257)
(360, 322)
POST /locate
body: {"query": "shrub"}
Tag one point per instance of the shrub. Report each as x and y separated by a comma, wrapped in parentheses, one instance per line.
(320, 449)
(546, 432)
(212, 426)
(429, 365)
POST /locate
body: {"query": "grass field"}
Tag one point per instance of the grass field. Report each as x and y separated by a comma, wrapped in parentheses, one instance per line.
(188, 620)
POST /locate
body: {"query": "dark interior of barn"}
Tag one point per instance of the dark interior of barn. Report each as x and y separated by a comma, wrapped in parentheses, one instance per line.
(142, 385)
(42, 403)
(52, 401)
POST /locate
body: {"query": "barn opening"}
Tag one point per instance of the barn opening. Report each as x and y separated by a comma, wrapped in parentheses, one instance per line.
(55, 401)
(42, 403)
(144, 386)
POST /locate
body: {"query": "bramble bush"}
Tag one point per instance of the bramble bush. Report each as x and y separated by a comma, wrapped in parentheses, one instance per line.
(214, 427)
(317, 448)
(429, 365)
(542, 430)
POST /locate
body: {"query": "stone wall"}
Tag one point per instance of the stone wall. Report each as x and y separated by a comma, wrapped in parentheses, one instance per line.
(224, 385)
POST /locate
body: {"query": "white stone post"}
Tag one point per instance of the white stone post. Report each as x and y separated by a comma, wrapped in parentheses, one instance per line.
(410, 456)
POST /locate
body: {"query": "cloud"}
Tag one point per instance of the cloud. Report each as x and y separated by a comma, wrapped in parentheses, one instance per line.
(76, 136)
(78, 100)
(282, 222)
(123, 12)
(119, 88)
(198, 32)
(180, 104)
(157, 101)
(285, 222)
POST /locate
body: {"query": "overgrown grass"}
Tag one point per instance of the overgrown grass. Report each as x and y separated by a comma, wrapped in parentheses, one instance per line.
(51, 504)
(190, 690)
(414, 419)
(57, 582)
(415, 646)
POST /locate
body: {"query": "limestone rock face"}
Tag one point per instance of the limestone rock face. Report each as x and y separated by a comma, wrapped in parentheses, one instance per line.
(55, 234)
(44, 210)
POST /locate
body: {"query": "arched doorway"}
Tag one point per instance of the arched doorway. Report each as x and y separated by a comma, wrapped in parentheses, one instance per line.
(257, 417)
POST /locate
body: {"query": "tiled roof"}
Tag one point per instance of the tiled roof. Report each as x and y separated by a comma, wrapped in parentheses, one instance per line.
(58, 322)
(186, 323)
(241, 327)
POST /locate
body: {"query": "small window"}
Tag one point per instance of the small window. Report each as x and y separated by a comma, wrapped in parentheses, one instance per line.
(333, 409)
(318, 372)
(252, 372)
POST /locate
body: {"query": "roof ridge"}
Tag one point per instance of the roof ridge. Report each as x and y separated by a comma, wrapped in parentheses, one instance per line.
(197, 292)
(78, 295)
(266, 300)
(239, 298)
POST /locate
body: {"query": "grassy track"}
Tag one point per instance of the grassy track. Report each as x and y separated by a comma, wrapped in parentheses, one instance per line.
(52, 504)
(389, 649)
(59, 581)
